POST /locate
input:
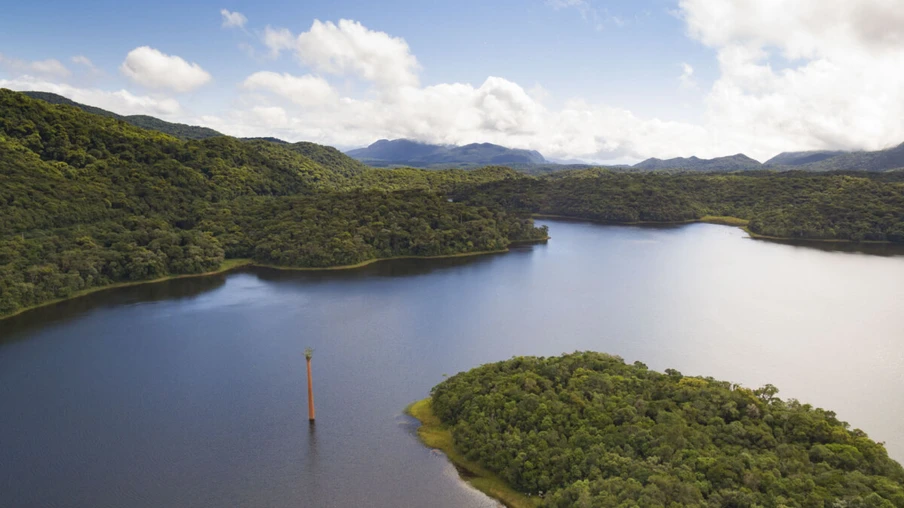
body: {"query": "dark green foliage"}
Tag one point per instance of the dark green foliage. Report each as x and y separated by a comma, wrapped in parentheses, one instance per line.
(87, 200)
(588, 430)
(329, 229)
(179, 130)
(790, 205)
(329, 157)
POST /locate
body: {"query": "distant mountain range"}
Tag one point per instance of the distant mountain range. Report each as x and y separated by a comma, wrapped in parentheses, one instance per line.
(404, 152)
(178, 130)
(881, 160)
(801, 158)
(824, 160)
(739, 162)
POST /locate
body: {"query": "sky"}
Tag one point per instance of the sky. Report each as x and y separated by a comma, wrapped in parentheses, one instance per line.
(611, 81)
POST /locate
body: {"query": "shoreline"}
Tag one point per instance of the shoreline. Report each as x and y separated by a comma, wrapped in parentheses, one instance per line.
(433, 434)
(722, 220)
(228, 265)
(232, 264)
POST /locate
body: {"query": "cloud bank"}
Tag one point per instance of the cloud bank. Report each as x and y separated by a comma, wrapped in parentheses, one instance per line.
(803, 75)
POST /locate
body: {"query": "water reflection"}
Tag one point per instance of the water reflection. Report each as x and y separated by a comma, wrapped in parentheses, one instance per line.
(67, 310)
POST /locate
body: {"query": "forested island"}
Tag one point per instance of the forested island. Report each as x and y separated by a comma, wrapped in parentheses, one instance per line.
(588, 430)
(88, 200)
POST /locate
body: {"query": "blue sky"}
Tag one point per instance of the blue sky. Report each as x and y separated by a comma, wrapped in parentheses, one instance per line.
(592, 79)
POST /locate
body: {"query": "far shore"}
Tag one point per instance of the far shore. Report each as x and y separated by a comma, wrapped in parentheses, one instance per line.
(723, 220)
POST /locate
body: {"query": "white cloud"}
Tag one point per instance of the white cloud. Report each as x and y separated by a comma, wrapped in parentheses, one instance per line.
(497, 111)
(83, 60)
(843, 81)
(120, 101)
(153, 69)
(86, 63)
(350, 49)
(278, 39)
(233, 19)
(687, 80)
(809, 74)
(49, 67)
(302, 90)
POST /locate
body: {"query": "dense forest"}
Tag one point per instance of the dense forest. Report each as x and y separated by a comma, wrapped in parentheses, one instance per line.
(88, 200)
(798, 205)
(589, 430)
(179, 130)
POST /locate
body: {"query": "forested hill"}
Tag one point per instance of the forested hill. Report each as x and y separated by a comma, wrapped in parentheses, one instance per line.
(88, 200)
(178, 130)
(881, 160)
(588, 430)
(328, 157)
(857, 206)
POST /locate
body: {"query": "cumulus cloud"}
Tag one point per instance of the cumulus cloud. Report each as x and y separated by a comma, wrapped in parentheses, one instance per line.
(277, 39)
(842, 81)
(302, 90)
(153, 69)
(809, 74)
(120, 101)
(233, 19)
(49, 67)
(498, 111)
(349, 48)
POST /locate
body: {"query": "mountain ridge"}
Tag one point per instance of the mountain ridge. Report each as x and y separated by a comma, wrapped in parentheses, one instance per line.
(729, 163)
(179, 130)
(385, 152)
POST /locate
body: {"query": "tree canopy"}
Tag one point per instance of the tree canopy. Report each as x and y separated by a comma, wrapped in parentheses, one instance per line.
(88, 200)
(589, 430)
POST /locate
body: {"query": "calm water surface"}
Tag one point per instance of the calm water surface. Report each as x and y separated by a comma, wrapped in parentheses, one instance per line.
(191, 393)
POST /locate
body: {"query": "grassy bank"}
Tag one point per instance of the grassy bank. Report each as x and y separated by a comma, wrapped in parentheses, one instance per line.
(725, 220)
(434, 434)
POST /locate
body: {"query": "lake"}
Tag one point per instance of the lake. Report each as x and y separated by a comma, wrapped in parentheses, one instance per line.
(192, 392)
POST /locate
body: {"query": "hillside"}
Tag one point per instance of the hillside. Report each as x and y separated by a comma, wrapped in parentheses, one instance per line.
(178, 130)
(791, 205)
(739, 162)
(587, 429)
(801, 158)
(327, 156)
(404, 152)
(91, 201)
(881, 160)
